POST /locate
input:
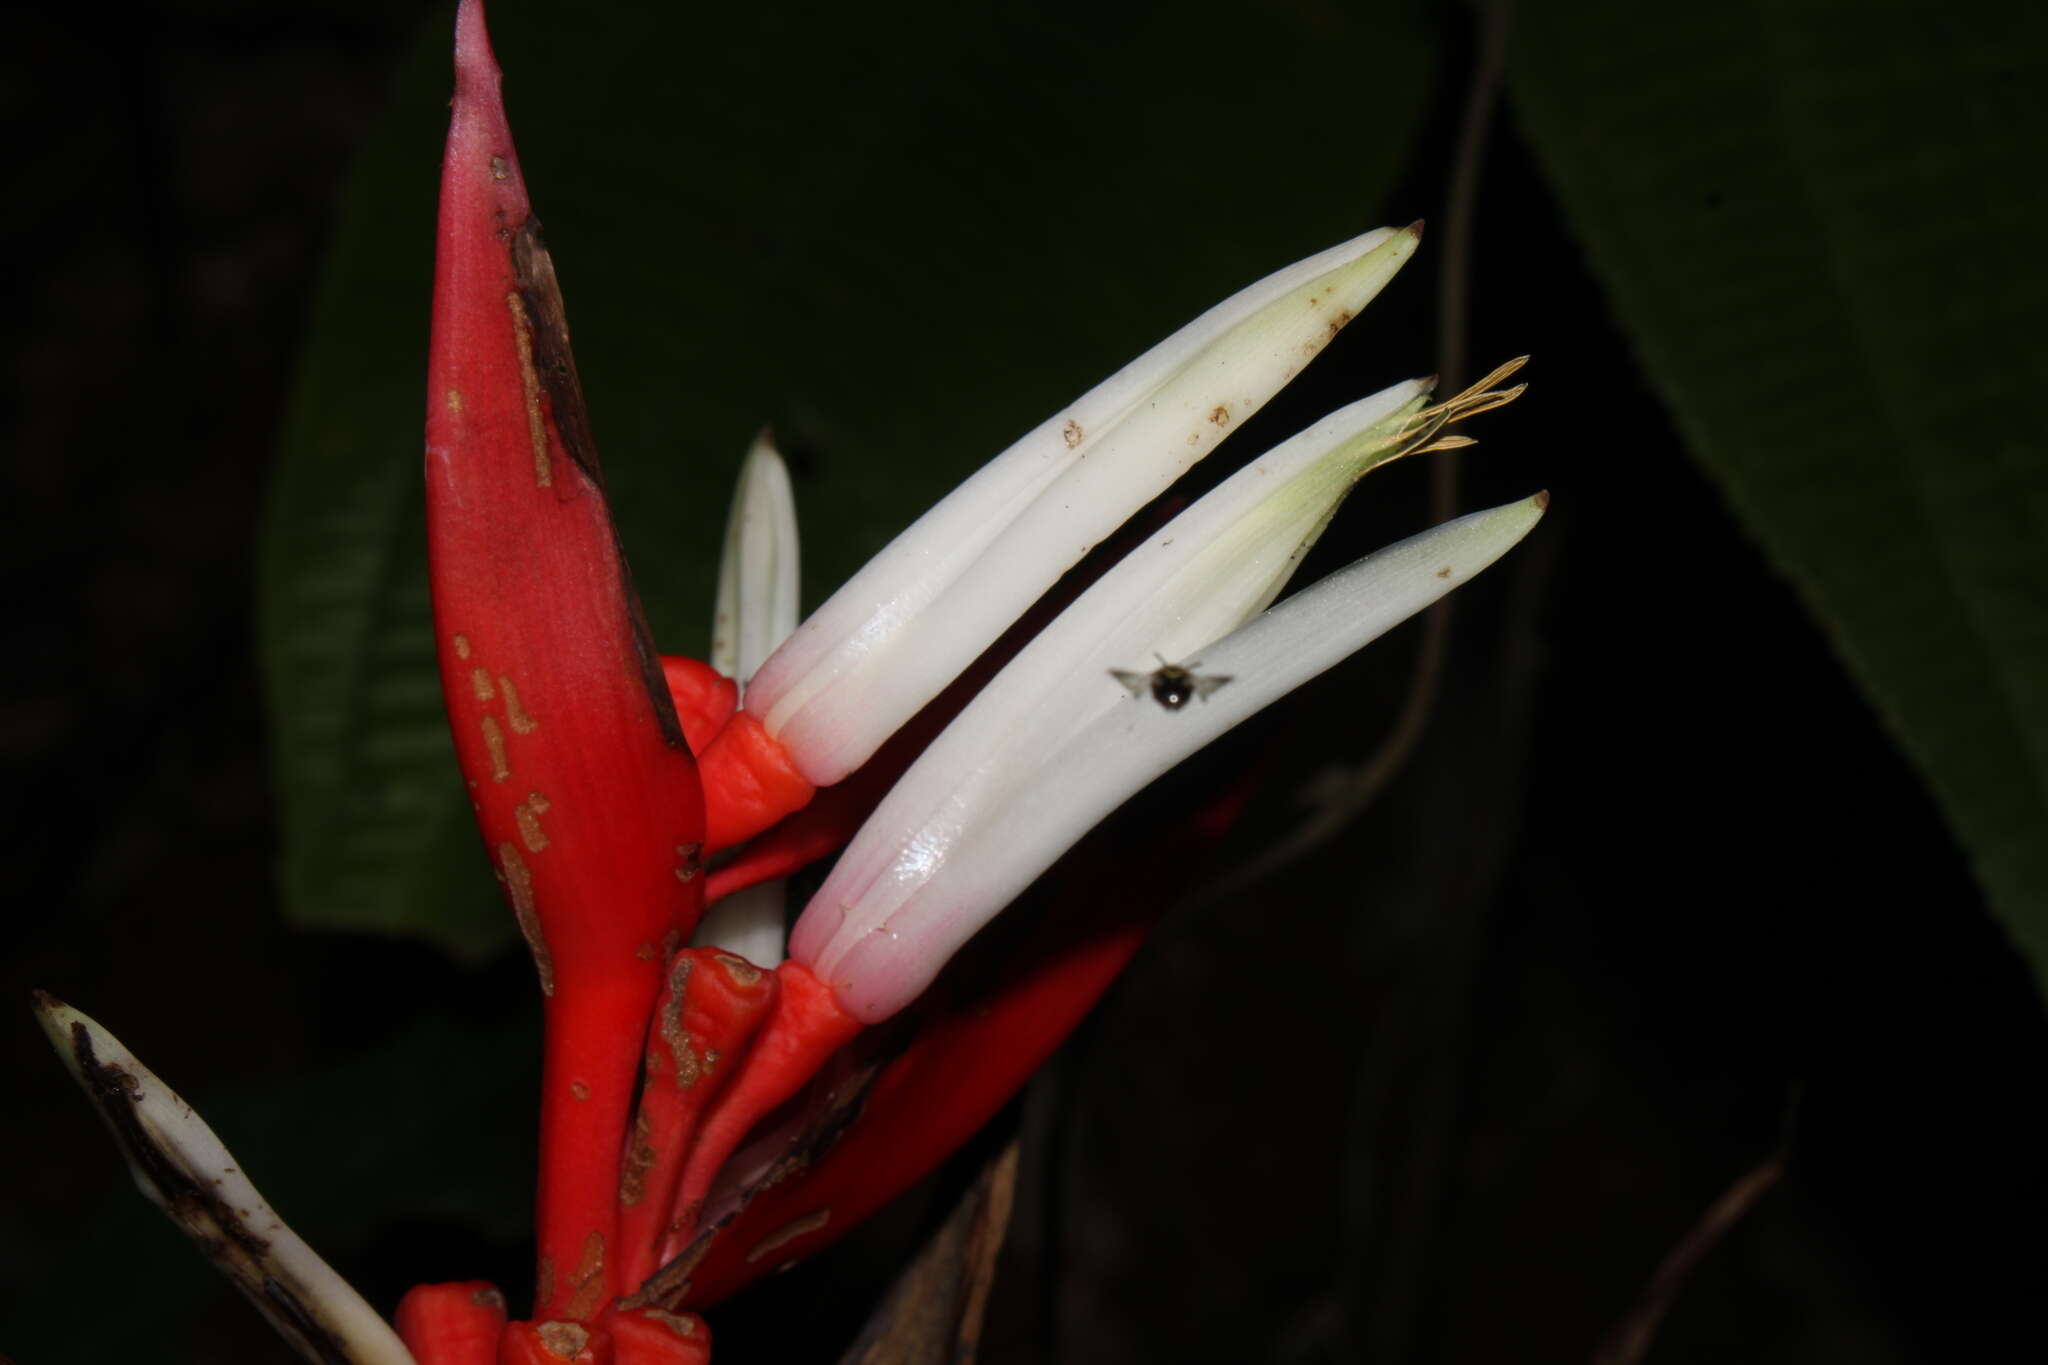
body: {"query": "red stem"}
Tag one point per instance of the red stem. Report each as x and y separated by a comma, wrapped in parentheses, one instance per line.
(703, 1025)
(705, 698)
(961, 1069)
(649, 1336)
(749, 783)
(806, 1027)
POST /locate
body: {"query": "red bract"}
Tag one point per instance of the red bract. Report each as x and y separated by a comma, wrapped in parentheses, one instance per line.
(703, 1026)
(576, 741)
(584, 789)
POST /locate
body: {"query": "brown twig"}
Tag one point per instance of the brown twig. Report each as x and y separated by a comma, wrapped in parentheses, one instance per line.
(1630, 1338)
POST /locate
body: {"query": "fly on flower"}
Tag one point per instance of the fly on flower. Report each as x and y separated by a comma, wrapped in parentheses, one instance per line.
(713, 1100)
(1171, 685)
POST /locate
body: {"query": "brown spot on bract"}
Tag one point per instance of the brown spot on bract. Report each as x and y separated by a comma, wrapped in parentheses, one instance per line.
(645, 952)
(455, 400)
(1072, 432)
(788, 1233)
(527, 814)
(1444, 572)
(480, 682)
(522, 723)
(682, 1324)
(586, 1286)
(488, 1298)
(690, 861)
(740, 971)
(498, 171)
(640, 1159)
(579, 1090)
(494, 745)
(519, 888)
(462, 646)
(669, 1024)
(544, 1277)
(1220, 416)
(564, 1339)
(529, 380)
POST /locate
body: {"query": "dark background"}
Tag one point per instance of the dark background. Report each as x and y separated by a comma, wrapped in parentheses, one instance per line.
(1656, 895)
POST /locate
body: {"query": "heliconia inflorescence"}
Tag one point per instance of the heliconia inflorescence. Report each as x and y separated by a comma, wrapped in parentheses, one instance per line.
(713, 1103)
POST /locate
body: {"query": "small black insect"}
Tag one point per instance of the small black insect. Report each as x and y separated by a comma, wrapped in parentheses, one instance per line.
(1171, 685)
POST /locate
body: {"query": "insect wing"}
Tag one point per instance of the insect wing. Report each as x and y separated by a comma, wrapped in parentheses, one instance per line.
(1138, 683)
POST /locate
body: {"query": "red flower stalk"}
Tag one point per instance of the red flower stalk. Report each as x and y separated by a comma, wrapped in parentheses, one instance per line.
(576, 763)
(704, 1023)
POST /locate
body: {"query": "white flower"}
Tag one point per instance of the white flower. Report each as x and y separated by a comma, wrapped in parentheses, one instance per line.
(922, 610)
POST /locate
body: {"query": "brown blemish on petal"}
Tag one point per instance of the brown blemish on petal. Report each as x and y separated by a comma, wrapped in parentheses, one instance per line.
(690, 861)
(480, 682)
(527, 814)
(1542, 500)
(579, 1090)
(554, 370)
(462, 646)
(1072, 432)
(640, 1158)
(682, 1324)
(494, 745)
(740, 971)
(1444, 572)
(586, 1286)
(455, 400)
(519, 887)
(529, 382)
(1221, 416)
(544, 1288)
(522, 723)
(669, 1026)
(788, 1233)
(645, 952)
(488, 1298)
(498, 171)
(564, 1339)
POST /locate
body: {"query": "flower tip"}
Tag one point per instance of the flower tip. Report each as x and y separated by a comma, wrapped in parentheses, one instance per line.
(1541, 499)
(60, 1021)
(473, 55)
(1414, 229)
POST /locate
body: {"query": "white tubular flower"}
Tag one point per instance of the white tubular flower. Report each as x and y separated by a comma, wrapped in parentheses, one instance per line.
(908, 623)
(184, 1170)
(756, 611)
(758, 572)
(1055, 742)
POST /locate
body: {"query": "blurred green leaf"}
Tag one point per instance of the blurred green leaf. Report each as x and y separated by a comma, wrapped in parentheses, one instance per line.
(899, 236)
(1817, 222)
